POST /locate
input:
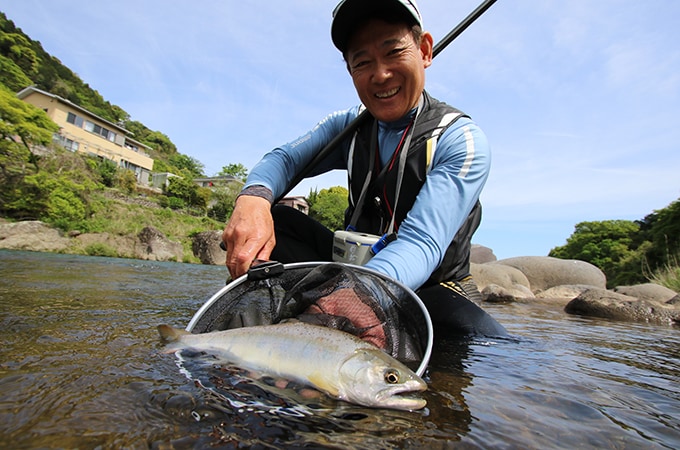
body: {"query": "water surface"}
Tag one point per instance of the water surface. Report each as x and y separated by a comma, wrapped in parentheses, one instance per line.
(81, 367)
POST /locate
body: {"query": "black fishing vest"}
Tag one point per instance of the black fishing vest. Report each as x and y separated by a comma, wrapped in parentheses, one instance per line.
(377, 209)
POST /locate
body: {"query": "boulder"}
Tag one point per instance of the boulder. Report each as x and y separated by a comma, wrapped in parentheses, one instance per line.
(567, 291)
(504, 283)
(606, 304)
(123, 246)
(647, 291)
(545, 272)
(32, 235)
(206, 247)
(154, 246)
(494, 293)
(480, 254)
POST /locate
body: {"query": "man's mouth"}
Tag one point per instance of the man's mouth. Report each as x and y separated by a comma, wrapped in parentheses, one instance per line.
(387, 94)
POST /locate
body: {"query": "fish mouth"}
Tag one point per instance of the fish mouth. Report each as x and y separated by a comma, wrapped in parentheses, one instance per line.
(399, 396)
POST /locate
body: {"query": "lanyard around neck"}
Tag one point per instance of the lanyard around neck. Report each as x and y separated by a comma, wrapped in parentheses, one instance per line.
(402, 150)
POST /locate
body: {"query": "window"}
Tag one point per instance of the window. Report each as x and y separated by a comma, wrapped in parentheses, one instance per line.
(75, 120)
(67, 143)
(101, 131)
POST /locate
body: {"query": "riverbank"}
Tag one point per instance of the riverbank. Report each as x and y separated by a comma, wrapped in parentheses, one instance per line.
(121, 226)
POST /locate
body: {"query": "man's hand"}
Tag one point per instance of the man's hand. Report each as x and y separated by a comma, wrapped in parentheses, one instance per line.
(249, 235)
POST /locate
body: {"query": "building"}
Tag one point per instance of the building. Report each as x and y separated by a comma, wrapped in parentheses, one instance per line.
(298, 202)
(222, 180)
(85, 132)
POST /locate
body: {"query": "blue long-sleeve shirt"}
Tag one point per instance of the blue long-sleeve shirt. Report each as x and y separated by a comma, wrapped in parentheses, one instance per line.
(460, 167)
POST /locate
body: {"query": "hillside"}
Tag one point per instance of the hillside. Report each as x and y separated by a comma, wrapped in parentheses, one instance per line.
(24, 62)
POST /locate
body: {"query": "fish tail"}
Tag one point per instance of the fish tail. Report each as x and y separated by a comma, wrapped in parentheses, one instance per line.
(170, 334)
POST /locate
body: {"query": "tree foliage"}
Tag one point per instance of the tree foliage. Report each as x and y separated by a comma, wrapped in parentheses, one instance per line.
(610, 245)
(329, 207)
(627, 251)
(662, 229)
(236, 170)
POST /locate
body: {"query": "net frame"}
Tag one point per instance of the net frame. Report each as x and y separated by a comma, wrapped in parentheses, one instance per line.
(210, 316)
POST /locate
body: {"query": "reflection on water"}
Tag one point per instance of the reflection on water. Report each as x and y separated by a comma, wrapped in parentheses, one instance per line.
(80, 366)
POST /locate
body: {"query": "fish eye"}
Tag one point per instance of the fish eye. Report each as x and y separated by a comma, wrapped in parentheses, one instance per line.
(392, 377)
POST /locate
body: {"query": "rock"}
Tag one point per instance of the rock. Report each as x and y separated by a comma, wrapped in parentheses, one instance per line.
(206, 247)
(154, 246)
(506, 283)
(32, 235)
(494, 293)
(606, 304)
(122, 246)
(545, 272)
(567, 291)
(647, 291)
(480, 254)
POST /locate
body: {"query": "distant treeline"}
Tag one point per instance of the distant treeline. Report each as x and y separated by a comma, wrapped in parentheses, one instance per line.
(628, 251)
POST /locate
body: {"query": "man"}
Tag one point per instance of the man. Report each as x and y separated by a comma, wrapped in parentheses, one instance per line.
(415, 170)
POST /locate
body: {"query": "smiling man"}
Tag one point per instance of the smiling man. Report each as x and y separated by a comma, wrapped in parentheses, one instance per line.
(415, 172)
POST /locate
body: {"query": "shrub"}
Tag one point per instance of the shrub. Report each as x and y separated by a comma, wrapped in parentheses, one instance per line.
(99, 249)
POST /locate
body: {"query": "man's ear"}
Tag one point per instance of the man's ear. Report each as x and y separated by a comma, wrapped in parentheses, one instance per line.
(426, 48)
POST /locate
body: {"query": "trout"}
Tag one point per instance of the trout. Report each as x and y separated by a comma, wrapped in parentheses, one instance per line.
(332, 361)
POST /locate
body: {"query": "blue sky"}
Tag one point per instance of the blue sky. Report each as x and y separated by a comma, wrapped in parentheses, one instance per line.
(580, 99)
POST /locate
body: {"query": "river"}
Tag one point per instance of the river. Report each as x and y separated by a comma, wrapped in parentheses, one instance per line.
(81, 366)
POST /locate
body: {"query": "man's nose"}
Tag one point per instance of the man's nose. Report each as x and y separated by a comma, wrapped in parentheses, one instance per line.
(382, 73)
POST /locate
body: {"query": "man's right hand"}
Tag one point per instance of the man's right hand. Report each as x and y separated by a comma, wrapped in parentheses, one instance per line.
(249, 234)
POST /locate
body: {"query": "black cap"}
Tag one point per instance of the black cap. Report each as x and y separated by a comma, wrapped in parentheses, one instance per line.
(348, 13)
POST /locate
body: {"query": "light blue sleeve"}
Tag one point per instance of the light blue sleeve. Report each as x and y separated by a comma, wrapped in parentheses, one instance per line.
(459, 171)
(278, 167)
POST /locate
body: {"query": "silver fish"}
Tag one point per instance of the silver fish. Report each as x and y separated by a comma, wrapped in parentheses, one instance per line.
(337, 363)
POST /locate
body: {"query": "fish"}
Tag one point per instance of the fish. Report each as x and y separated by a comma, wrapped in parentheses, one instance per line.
(332, 361)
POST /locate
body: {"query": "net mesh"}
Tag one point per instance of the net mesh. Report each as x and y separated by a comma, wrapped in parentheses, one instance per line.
(356, 300)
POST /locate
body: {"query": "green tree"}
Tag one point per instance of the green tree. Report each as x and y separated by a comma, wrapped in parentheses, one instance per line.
(223, 198)
(192, 166)
(12, 76)
(329, 207)
(662, 229)
(236, 170)
(189, 192)
(21, 126)
(611, 245)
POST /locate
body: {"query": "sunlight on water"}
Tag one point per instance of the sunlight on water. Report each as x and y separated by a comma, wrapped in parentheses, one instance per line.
(81, 366)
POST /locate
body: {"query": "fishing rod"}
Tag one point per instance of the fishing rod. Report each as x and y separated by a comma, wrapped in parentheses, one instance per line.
(352, 127)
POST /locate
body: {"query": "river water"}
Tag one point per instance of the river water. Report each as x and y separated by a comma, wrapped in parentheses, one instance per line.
(81, 366)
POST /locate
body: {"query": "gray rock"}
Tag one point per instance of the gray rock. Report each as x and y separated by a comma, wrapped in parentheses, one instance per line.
(611, 305)
(648, 291)
(545, 272)
(494, 293)
(206, 247)
(32, 235)
(567, 291)
(154, 246)
(480, 254)
(505, 283)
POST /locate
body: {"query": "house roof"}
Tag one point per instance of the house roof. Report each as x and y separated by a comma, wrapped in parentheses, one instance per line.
(31, 89)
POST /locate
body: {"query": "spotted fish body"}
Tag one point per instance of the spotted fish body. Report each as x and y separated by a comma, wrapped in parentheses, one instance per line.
(337, 363)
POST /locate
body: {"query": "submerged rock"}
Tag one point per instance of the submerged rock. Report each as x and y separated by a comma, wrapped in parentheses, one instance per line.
(612, 305)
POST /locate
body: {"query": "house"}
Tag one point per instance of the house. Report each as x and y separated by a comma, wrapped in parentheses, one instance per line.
(85, 132)
(222, 180)
(298, 202)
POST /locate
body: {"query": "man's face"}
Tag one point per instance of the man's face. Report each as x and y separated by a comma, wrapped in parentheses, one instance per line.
(388, 68)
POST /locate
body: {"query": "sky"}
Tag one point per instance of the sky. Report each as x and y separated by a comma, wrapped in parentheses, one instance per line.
(580, 99)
